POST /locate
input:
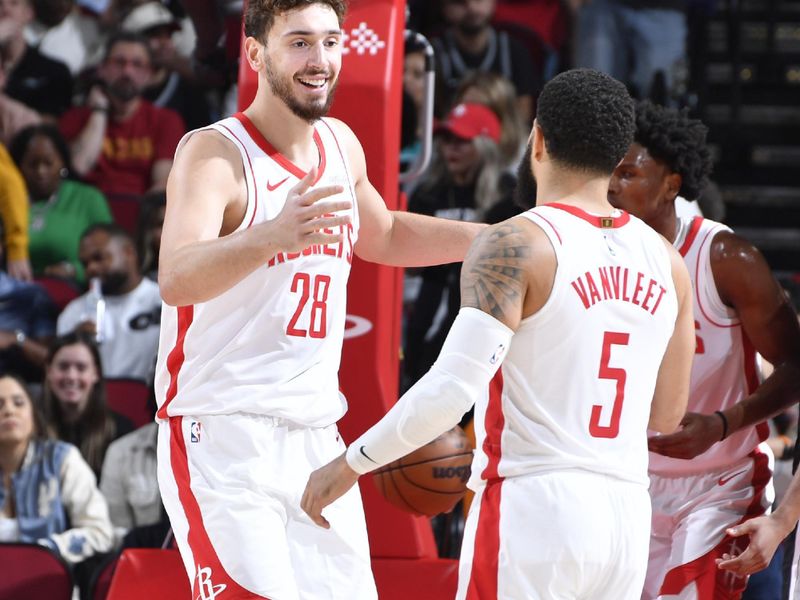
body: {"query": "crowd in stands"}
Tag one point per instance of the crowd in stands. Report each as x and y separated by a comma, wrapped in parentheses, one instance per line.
(94, 98)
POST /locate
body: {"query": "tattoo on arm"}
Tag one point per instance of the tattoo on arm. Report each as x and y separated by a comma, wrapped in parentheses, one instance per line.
(493, 277)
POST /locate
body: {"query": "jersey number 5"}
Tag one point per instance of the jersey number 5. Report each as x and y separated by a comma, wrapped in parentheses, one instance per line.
(611, 430)
(318, 315)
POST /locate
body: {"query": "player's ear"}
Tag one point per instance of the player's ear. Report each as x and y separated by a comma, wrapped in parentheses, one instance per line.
(254, 51)
(538, 148)
(673, 183)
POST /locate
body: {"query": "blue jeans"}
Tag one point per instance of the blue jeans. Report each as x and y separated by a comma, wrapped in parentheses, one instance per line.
(630, 44)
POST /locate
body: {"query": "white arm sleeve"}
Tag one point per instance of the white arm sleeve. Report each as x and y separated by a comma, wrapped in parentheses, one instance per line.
(471, 354)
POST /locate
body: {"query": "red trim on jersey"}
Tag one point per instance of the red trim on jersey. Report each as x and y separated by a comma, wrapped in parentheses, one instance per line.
(252, 173)
(546, 220)
(595, 220)
(494, 423)
(713, 583)
(694, 229)
(203, 553)
(751, 377)
(483, 576)
(697, 287)
(279, 158)
(176, 356)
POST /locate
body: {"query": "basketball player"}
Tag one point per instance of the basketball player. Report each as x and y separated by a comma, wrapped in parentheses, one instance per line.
(265, 211)
(700, 487)
(589, 311)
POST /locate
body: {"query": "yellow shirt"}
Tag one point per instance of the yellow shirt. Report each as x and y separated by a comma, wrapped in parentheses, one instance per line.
(13, 208)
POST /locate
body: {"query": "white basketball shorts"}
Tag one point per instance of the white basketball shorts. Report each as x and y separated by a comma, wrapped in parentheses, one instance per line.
(690, 516)
(556, 536)
(232, 484)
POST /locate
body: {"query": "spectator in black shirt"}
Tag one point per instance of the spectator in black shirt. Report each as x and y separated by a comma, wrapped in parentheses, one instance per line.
(470, 43)
(41, 83)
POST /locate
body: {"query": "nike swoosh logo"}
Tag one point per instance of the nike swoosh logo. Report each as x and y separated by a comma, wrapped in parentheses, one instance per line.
(724, 480)
(365, 455)
(272, 188)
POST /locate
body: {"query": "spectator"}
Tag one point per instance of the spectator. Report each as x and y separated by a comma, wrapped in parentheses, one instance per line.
(132, 493)
(60, 208)
(121, 142)
(148, 232)
(470, 43)
(130, 327)
(27, 324)
(14, 213)
(75, 399)
(497, 92)
(63, 32)
(170, 86)
(413, 98)
(14, 115)
(41, 83)
(466, 182)
(640, 43)
(48, 493)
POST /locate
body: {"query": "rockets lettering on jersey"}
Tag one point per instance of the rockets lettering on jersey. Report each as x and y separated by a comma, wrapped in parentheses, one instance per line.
(619, 283)
(334, 250)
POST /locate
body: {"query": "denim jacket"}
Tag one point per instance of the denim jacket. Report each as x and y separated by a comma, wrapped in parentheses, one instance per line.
(58, 503)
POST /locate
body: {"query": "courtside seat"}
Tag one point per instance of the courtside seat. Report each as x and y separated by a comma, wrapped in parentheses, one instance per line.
(33, 572)
(61, 291)
(149, 573)
(131, 399)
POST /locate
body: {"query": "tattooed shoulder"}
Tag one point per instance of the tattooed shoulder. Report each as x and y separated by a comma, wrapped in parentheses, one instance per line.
(492, 278)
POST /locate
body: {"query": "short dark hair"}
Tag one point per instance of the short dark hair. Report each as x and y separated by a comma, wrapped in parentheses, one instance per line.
(112, 230)
(587, 119)
(260, 14)
(678, 141)
(19, 145)
(129, 37)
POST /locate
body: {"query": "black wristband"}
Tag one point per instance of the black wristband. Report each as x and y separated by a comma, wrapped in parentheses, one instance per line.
(724, 424)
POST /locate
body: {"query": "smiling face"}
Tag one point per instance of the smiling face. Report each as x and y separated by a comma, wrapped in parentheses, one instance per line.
(16, 413)
(302, 60)
(71, 376)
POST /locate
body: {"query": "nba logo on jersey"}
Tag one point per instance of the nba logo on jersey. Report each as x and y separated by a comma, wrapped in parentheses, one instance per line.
(498, 354)
(194, 432)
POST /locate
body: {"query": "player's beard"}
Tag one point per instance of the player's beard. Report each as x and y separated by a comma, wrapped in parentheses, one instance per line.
(525, 192)
(282, 88)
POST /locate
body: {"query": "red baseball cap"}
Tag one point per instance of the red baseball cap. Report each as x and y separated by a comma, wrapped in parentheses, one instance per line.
(468, 121)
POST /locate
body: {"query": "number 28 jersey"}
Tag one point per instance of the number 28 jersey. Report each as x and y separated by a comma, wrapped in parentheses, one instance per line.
(271, 344)
(576, 386)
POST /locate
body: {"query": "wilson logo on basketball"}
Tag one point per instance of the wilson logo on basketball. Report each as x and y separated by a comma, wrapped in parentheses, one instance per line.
(461, 473)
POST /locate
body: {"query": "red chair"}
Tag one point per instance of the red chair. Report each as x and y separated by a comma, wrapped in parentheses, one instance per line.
(149, 573)
(130, 398)
(33, 572)
(61, 291)
(125, 210)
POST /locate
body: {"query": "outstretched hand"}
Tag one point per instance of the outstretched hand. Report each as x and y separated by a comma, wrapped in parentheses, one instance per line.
(765, 536)
(305, 220)
(696, 435)
(325, 485)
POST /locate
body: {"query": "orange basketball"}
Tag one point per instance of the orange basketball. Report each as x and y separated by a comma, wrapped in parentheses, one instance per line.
(430, 480)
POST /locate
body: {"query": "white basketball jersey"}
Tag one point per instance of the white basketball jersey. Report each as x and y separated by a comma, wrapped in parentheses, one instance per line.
(575, 389)
(724, 368)
(271, 344)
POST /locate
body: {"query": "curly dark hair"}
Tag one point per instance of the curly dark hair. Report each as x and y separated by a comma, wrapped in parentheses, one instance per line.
(677, 140)
(260, 14)
(587, 119)
(19, 145)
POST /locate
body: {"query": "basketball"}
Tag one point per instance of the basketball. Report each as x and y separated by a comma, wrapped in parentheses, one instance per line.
(430, 480)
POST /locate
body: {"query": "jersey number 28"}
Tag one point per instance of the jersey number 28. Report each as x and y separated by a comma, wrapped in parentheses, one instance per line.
(318, 313)
(610, 338)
